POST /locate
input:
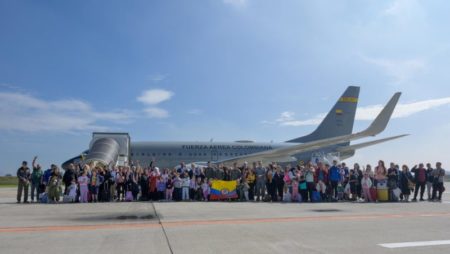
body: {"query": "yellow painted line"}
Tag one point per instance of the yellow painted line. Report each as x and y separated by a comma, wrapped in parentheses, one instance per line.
(215, 222)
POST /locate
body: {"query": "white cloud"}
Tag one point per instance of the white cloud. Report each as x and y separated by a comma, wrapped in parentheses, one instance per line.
(366, 113)
(157, 77)
(155, 96)
(400, 70)
(195, 111)
(155, 112)
(403, 8)
(402, 110)
(23, 112)
(237, 3)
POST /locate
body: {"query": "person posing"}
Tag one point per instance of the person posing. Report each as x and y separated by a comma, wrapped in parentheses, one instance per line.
(94, 184)
(334, 179)
(406, 181)
(430, 179)
(36, 180)
(54, 186)
(251, 178)
(169, 189)
(205, 189)
(392, 181)
(161, 188)
(23, 175)
(260, 173)
(420, 176)
(279, 182)
(366, 184)
(309, 177)
(438, 182)
(380, 174)
(68, 176)
(185, 185)
(83, 182)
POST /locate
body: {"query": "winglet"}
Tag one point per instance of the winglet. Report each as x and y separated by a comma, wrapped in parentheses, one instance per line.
(380, 123)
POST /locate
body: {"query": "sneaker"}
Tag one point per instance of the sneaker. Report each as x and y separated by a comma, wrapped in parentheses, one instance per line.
(414, 200)
(422, 199)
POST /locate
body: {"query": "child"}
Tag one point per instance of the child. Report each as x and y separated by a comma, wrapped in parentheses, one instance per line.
(366, 184)
(205, 189)
(161, 188)
(177, 184)
(286, 194)
(83, 181)
(72, 192)
(245, 188)
(294, 183)
(186, 182)
(169, 189)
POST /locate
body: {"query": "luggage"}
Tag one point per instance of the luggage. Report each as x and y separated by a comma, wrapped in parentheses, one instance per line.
(68, 199)
(316, 196)
(374, 193)
(287, 197)
(43, 198)
(128, 196)
(382, 194)
(397, 192)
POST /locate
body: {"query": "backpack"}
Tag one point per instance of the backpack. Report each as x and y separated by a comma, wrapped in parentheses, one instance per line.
(316, 196)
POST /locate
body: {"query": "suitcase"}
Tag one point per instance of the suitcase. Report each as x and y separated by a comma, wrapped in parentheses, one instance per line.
(382, 194)
(373, 193)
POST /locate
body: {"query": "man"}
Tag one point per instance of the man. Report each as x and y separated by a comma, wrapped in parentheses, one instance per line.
(438, 182)
(430, 179)
(420, 174)
(36, 179)
(69, 174)
(23, 174)
(392, 181)
(334, 178)
(260, 181)
(209, 171)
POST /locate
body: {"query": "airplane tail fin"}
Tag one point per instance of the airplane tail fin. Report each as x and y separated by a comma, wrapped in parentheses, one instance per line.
(339, 121)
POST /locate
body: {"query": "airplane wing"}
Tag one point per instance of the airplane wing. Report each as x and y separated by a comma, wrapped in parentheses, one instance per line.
(366, 144)
(377, 126)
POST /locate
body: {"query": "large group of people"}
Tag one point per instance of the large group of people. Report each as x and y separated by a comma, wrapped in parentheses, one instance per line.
(309, 182)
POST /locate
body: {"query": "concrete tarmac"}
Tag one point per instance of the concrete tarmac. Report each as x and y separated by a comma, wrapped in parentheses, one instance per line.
(223, 227)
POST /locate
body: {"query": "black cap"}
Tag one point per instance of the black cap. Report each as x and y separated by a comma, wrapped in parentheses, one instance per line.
(24, 163)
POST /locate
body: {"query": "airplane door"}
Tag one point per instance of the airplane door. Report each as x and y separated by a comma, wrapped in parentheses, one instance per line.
(214, 155)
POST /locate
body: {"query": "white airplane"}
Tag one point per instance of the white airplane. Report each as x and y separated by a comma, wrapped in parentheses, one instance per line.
(331, 138)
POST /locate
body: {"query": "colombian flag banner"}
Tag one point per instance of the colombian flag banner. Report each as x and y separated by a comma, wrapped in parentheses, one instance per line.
(223, 190)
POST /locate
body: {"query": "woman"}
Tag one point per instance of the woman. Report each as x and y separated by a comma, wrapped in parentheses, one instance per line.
(251, 178)
(54, 186)
(380, 173)
(406, 180)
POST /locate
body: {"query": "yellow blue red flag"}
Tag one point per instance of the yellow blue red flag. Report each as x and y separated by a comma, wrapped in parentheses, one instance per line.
(223, 190)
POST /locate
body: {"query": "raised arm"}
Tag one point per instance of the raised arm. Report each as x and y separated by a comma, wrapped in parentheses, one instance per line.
(34, 162)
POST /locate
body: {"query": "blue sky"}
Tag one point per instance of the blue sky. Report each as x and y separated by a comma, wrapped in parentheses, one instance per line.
(221, 69)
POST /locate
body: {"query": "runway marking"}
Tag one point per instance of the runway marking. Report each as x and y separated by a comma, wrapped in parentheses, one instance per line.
(214, 222)
(414, 244)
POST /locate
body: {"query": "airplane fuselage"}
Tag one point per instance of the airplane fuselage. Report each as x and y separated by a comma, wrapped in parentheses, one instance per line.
(170, 154)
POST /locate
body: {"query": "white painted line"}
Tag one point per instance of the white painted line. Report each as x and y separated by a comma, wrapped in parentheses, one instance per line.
(414, 244)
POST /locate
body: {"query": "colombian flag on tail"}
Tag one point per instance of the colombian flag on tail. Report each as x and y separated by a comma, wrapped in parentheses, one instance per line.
(223, 190)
